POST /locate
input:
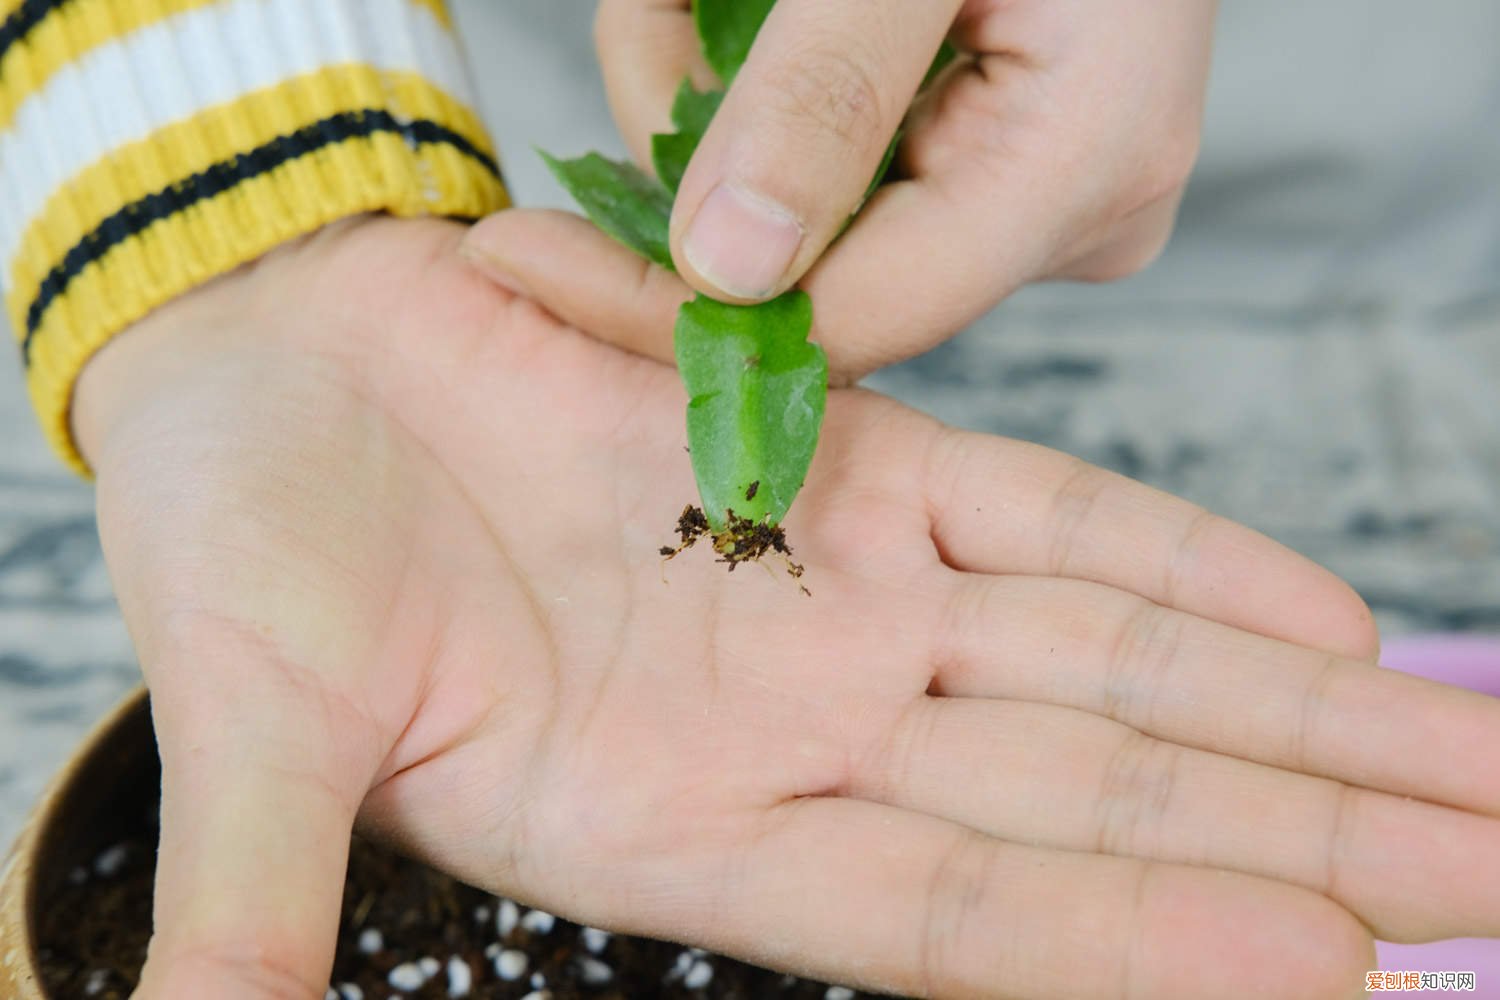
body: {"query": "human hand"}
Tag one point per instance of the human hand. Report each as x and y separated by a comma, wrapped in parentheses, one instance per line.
(1058, 147)
(386, 537)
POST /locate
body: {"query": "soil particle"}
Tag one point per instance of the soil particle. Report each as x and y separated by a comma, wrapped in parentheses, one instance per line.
(741, 541)
(692, 524)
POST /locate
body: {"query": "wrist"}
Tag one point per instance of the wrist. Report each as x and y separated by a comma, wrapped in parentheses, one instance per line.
(212, 328)
(324, 301)
(237, 155)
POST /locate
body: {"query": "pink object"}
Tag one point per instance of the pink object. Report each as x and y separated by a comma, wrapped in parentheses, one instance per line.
(1471, 662)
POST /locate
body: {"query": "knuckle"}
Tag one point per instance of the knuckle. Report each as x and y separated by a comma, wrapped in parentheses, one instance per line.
(946, 464)
(1128, 244)
(1306, 749)
(952, 916)
(1176, 576)
(902, 752)
(1128, 257)
(263, 969)
(604, 25)
(1144, 650)
(1134, 795)
(828, 93)
(1336, 846)
(964, 617)
(1166, 169)
(1075, 500)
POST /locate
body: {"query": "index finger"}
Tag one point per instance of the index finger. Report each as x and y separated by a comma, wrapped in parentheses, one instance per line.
(645, 49)
(1004, 507)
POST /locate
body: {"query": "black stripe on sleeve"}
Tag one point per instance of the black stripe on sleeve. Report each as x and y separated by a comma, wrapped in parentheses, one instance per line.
(220, 177)
(23, 19)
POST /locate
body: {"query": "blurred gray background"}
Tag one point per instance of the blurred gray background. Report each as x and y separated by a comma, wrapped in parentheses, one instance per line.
(1316, 355)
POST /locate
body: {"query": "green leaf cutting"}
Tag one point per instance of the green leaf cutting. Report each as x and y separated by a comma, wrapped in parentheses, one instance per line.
(622, 199)
(756, 391)
(757, 388)
(692, 110)
(726, 30)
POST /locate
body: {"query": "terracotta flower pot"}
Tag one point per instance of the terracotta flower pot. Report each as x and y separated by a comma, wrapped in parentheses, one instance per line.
(79, 815)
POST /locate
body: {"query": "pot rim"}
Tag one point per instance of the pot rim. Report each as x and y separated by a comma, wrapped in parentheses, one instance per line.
(19, 873)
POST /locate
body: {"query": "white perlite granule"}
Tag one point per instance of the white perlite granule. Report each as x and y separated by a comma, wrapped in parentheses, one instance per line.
(111, 860)
(699, 976)
(510, 964)
(681, 966)
(460, 977)
(594, 972)
(594, 939)
(507, 915)
(538, 921)
(406, 976)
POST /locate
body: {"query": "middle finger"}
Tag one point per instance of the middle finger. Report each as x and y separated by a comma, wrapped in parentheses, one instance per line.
(1198, 683)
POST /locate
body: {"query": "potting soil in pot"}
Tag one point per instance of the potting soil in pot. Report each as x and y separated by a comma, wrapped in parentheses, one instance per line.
(407, 932)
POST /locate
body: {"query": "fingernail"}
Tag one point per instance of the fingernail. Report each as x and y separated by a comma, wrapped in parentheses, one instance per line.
(494, 269)
(741, 242)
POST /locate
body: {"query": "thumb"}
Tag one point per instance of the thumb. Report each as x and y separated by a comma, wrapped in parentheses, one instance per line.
(257, 812)
(798, 139)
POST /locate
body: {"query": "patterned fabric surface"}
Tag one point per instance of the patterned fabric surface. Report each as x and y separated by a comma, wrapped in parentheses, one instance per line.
(1317, 355)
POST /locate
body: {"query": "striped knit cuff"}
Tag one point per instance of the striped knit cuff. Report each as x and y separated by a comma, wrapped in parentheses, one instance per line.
(149, 145)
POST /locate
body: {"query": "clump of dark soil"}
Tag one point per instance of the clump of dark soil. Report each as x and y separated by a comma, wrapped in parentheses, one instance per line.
(741, 541)
(407, 932)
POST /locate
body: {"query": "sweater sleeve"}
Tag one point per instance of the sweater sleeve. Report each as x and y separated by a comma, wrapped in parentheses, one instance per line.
(149, 145)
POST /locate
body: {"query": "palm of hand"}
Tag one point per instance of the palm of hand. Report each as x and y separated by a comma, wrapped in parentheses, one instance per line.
(446, 613)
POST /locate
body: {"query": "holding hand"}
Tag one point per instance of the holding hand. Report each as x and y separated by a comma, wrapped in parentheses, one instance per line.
(1057, 146)
(385, 537)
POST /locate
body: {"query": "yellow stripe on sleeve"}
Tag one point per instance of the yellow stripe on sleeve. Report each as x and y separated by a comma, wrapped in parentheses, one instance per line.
(444, 170)
(185, 250)
(217, 135)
